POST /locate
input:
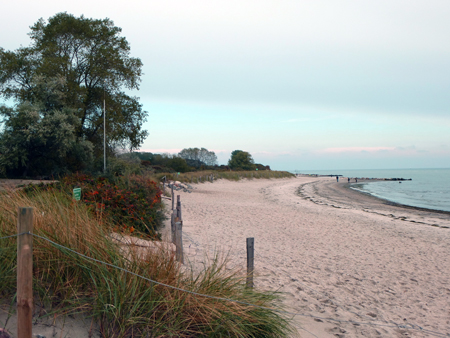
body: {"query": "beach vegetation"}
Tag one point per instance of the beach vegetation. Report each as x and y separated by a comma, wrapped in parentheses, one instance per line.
(123, 304)
(131, 203)
(208, 175)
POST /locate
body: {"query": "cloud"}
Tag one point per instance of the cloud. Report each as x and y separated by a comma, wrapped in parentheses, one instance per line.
(355, 150)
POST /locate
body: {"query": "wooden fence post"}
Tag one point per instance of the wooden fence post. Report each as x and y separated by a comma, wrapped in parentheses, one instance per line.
(25, 273)
(250, 261)
(172, 197)
(179, 241)
(179, 207)
(172, 226)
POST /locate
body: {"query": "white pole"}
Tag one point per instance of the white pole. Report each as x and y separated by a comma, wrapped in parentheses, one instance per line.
(104, 135)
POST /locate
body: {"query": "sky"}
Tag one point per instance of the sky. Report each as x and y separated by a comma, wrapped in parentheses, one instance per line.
(300, 85)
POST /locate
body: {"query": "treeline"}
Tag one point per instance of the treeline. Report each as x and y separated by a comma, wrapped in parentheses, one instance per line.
(192, 159)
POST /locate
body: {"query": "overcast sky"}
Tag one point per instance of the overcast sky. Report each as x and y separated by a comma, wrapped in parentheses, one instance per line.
(299, 84)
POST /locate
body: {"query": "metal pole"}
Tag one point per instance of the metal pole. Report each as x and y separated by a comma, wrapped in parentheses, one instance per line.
(104, 135)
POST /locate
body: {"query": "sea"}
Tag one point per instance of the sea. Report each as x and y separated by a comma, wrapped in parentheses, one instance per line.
(428, 188)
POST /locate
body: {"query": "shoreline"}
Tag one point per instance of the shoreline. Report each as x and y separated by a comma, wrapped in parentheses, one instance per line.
(340, 195)
(335, 254)
(392, 203)
(368, 178)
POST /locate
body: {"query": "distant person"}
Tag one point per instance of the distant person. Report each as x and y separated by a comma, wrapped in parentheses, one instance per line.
(356, 179)
(337, 178)
(348, 179)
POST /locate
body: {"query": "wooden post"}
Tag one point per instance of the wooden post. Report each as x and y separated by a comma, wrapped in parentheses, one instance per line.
(173, 197)
(250, 261)
(172, 226)
(179, 207)
(25, 273)
(179, 241)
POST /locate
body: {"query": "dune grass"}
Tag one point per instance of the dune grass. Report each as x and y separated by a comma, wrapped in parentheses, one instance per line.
(125, 305)
(204, 176)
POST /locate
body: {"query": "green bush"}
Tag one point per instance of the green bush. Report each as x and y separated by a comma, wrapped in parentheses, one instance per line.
(132, 203)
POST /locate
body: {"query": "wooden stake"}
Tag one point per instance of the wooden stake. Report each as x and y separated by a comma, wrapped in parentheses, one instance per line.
(179, 207)
(25, 273)
(172, 226)
(179, 241)
(250, 261)
(173, 197)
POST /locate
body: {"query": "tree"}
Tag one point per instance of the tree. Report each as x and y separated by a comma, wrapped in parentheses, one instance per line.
(241, 160)
(196, 157)
(89, 62)
(36, 144)
(178, 164)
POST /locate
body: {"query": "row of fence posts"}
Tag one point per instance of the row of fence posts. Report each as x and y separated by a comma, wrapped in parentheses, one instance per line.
(176, 225)
(207, 178)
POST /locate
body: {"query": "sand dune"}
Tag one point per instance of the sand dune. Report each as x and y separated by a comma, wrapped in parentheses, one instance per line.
(334, 253)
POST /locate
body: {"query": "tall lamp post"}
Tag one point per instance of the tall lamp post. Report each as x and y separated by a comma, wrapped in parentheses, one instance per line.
(104, 131)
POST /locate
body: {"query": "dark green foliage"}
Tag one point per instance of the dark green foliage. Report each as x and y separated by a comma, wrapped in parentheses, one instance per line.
(178, 164)
(72, 66)
(36, 144)
(145, 156)
(196, 157)
(241, 160)
(260, 166)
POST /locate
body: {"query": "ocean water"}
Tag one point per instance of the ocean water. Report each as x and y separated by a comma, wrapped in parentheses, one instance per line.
(429, 188)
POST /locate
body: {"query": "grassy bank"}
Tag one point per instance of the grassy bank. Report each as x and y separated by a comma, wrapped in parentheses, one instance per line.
(124, 304)
(203, 176)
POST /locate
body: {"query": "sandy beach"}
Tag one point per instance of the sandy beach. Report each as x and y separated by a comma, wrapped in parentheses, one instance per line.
(333, 252)
(348, 264)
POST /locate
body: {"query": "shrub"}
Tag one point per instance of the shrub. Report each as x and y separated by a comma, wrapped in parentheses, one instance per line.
(132, 203)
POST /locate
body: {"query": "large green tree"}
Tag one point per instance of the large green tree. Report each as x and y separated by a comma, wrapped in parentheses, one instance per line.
(195, 157)
(89, 61)
(241, 160)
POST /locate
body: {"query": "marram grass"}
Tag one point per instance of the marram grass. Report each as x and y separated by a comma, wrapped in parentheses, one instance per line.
(122, 304)
(204, 176)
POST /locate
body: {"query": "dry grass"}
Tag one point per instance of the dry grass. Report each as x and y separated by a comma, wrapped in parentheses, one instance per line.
(123, 304)
(203, 176)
